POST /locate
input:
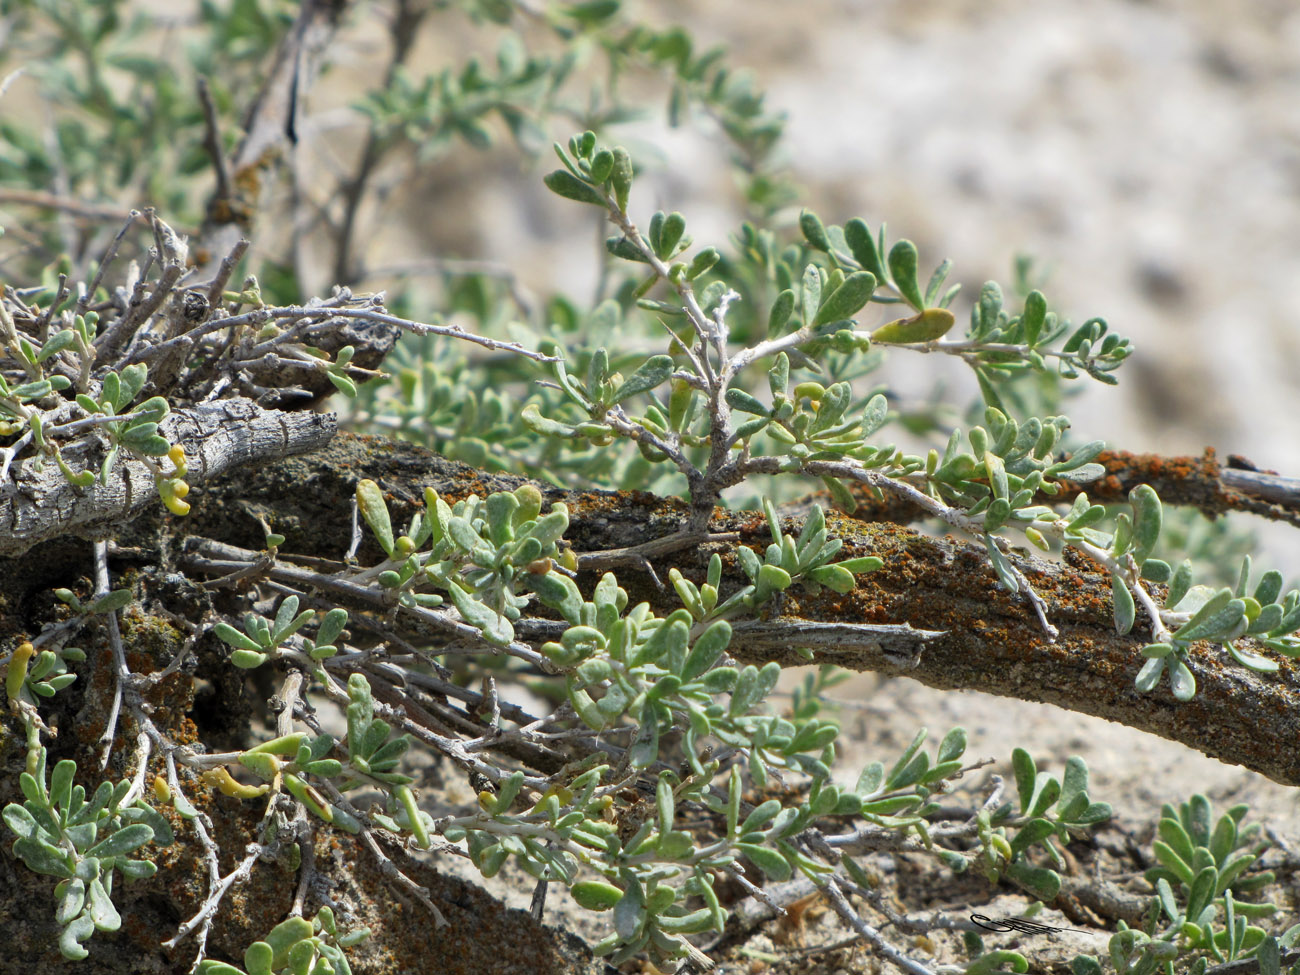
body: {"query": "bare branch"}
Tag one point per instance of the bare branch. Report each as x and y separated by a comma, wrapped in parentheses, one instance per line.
(40, 503)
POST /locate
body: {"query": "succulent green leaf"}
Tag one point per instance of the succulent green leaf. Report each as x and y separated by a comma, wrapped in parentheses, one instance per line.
(56, 343)
(778, 316)
(494, 627)
(739, 399)
(773, 578)
(925, 326)
(1157, 570)
(565, 184)
(133, 378)
(621, 177)
(1033, 317)
(228, 634)
(1125, 608)
(709, 646)
(812, 291)
(1147, 517)
(1181, 584)
(1025, 771)
(374, 509)
(953, 745)
(100, 907)
(596, 895)
(702, 262)
(874, 416)
(848, 299)
(247, 659)
(1001, 565)
(902, 268)
(122, 841)
(768, 860)
(1042, 883)
(71, 901)
(532, 416)
(113, 601)
(1032, 832)
(111, 390)
(1000, 960)
(857, 235)
(1254, 661)
(80, 928)
(814, 231)
(1181, 680)
(653, 372)
(41, 856)
(630, 911)
(1269, 588)
(1149, 675)
(1216, 617)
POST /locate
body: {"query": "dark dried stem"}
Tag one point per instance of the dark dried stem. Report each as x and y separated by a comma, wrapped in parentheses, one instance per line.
(212, 140)
(402, 33)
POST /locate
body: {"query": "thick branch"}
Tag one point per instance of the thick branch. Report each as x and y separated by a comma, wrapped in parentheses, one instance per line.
(39, 503)
(990, 639)
(1195, 482)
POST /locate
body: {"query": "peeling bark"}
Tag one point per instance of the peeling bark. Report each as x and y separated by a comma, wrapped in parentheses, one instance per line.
(40, 504)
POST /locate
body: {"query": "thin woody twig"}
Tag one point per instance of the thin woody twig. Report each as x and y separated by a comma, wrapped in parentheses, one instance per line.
(869, 934)
(212, 140)
(120, 671)
(52, 201)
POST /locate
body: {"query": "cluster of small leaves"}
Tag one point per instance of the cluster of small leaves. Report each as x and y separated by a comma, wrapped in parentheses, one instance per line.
(1202, 865)
(429, 112)
(27, 679)
(262, 638)
(1002, 474)
(901, 797)
(653, 871)
(1090, 348)
(295, 946)
(24, 408)
(1196, 917)
(805, 560)
(15, 401)
(373, 753)
(439, 400)
(479, 552)
(1047, 811)
(474, 412)
(808, 317)
(1223, 616)
(576, 824)
(809, 423)
(62, 834)
(463, 419)
(603, 391)
(999, 345)
(139, 434)
(653, 668)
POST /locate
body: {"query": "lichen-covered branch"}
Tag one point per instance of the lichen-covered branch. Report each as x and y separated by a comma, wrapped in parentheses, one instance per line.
(978, 636)
(1201, 482)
